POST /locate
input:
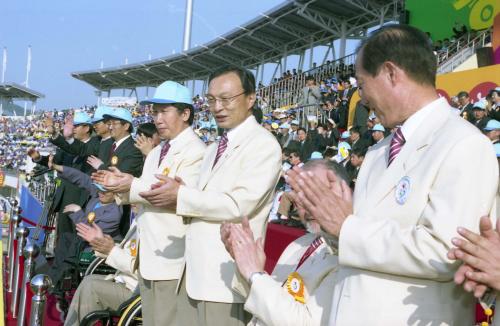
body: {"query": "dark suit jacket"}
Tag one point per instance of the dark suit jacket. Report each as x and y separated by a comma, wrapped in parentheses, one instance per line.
(360, 117)
(94, 147)
(107, 217)
(78, 150)
(130, 159)
(360, 144)
(470, 113)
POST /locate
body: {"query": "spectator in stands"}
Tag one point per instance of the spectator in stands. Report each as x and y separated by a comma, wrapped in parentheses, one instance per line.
(360, 117)
(356, 159)
(378, 133)
(100, 292)
(459, 29)
(305, 143)
(357, 143)
(311, 94)
(298, 292)
(495, 108)
(465, 106)
(295, 127)
(147, 138)
(479, 110)
(332, 133)
(284, 136)
(492, 131)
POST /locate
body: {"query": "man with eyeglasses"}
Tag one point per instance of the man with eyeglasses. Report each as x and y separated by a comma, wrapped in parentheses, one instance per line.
(238, 176)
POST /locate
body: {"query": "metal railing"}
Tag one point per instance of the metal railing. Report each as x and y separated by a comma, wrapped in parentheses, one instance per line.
(42, 189)
(462, 49)
(286, 93)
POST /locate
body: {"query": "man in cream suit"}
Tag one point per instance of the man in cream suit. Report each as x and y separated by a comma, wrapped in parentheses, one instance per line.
(299, 290)
(161, 231)
(98, 292)
(238, 176)
(410, 197)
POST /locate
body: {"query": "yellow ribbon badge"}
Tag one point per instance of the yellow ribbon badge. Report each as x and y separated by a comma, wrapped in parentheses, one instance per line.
(295, 286)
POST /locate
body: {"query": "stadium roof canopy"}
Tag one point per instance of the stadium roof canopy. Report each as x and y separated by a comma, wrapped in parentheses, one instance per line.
(12, 91)
(288, 28)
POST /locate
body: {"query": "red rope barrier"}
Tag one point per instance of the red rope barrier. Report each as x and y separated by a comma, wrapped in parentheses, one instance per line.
(30, 222)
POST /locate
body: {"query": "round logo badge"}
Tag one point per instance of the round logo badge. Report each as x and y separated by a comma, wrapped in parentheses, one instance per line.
(114, 160)
(133, 247)
(295, 286)
(402, 190)
(91, 217)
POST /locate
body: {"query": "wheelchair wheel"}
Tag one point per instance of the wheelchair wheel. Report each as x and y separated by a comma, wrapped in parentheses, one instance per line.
(132, 315)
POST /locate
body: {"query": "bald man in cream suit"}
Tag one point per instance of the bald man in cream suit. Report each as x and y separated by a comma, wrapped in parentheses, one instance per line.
(413, 190)
(161, 231)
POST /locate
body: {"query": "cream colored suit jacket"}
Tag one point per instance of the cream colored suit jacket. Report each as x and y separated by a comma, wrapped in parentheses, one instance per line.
(240, 184)
(271, 304)
(393, 265)
(161, 232)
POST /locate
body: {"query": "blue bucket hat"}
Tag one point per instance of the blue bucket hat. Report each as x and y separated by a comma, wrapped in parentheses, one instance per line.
(480, 105)
(378, 127)
(81, 118)
(100, 112)
(119, 113)
(170, 92)
(345, 135)
(492, 125)
(316, 156)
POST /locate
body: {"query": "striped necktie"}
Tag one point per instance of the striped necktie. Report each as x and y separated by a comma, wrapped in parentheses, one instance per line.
(221, 148)
(164, 150)
(397, 142)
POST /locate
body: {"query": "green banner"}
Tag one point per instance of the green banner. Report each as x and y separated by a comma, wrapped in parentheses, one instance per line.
(438, 17)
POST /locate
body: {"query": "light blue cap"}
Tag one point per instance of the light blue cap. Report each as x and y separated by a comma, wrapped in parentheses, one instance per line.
(481, 105)
(497, 149)
(345, 135)
(295, 122)
(119, 113)
(492, 125)
(81, 118)
(285, 126)
(170, 92)
(100, 112)
(372, 116)
(378, 127)
(99, 187)
(316, 156)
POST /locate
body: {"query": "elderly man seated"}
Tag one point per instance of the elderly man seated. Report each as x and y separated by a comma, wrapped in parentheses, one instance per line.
(98, 292)
(299, 290)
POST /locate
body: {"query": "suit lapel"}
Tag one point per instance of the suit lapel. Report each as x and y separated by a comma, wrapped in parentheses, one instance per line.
(410, 155)
(244, 135)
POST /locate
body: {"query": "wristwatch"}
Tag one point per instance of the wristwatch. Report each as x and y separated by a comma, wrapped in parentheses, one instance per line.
(253, 276)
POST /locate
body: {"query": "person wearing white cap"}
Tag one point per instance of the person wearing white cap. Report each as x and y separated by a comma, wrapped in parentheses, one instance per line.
(161, 231)
(284, 137)
(378, 133)
(492, 131)
(238, 177)
(480, 114)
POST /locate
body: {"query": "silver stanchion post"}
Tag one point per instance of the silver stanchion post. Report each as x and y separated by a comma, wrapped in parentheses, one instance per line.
(13, 204)
(31, 251)
(15, 219)
(39, 285)
(22, 234)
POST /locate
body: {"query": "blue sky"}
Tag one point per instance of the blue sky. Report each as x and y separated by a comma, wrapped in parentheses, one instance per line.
(68, 36)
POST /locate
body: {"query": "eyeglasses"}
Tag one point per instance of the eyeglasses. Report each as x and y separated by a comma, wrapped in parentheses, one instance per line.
(224, 101)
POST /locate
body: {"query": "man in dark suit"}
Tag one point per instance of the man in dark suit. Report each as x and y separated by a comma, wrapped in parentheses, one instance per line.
(123, 154)
(306, 143)
(479, 110)
(361, 117)
(99, 145)
(466, 106)
(357, 143)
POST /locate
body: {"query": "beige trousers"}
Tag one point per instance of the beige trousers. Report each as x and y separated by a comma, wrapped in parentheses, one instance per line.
(95, 293)
(159, 302)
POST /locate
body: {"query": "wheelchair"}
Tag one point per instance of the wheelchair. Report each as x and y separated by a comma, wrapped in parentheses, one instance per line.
(129, 312)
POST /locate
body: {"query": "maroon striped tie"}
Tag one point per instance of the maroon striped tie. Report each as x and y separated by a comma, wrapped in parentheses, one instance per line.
(164, 150)
(397, 142)
(221, 148)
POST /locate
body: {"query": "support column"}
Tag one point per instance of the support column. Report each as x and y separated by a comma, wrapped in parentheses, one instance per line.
(343, 36)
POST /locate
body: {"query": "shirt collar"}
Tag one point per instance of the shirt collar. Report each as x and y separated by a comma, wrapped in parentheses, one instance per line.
(410, 126)
(232, 133)
(118, 143)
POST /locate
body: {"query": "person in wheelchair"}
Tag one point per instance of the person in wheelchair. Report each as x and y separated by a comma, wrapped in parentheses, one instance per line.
(101, 209)
(98, 292)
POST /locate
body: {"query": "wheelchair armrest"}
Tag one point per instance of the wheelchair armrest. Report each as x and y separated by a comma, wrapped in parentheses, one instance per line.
(126, 303)
(93, 265)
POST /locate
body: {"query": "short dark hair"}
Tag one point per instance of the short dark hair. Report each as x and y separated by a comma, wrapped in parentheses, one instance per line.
(356, 130)
(359, 152)
(336, 168)
(303, 129)
(147, 129)
(405, 46)
(247, 78)
(463, 94)
(180, 109)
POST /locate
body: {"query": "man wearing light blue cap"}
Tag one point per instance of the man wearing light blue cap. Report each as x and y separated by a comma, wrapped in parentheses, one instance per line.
(284, 137)
(123, 153)
(479, 110)
(492, 131)
(161, 231)
(378, 132)
(98, 146)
